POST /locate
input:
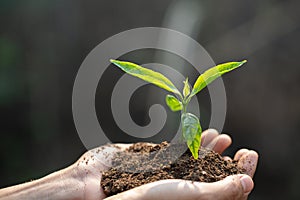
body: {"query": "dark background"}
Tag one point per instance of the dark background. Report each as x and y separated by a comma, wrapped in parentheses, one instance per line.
(42, 44)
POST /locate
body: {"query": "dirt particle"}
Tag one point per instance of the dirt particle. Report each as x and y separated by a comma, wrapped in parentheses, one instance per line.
(142, 163)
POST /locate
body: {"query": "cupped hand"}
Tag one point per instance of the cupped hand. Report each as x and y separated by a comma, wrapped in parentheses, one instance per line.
(91, 165)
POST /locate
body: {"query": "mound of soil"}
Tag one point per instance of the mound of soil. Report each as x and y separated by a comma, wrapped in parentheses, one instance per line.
(142, 163)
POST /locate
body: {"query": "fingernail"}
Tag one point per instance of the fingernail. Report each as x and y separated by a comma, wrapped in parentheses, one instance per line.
(247, 183)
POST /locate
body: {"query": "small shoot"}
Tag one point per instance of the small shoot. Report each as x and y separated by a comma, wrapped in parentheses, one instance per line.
(191, 128)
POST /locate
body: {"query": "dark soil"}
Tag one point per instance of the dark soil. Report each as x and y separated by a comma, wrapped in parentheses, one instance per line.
(142, 163)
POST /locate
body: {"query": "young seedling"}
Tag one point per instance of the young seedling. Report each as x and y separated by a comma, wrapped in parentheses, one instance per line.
(191, 128)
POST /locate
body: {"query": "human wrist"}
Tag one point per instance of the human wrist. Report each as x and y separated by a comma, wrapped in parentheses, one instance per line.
(65, 184)
(60, 185)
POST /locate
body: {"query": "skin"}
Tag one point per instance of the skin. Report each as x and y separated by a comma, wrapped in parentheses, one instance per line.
(82, 179)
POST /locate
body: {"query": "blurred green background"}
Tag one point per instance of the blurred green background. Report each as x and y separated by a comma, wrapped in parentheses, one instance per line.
(42, 44)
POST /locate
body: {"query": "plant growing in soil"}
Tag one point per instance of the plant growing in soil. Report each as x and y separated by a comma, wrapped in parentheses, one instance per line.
(191, 128)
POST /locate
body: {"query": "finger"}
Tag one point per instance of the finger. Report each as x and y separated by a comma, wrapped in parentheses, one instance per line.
(227, 158)
(240, 153)
(220, 143)
(104, 155)
(100, 157)
(122, 146)
(208, 136)
(233, 187)
(236, 186)
(248, 162)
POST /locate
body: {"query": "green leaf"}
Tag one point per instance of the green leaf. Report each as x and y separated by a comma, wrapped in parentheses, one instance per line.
(211, 74)
(173, 103)
(186, 88)
(147, 75)
(191, 130)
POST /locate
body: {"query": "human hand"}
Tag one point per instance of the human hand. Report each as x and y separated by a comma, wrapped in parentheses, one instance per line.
(91, 165)
(82, 179)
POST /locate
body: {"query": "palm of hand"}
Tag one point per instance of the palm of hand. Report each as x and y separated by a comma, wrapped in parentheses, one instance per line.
(91, 165)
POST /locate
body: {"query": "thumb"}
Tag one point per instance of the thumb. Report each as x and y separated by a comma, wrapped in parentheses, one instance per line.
(235, 187)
